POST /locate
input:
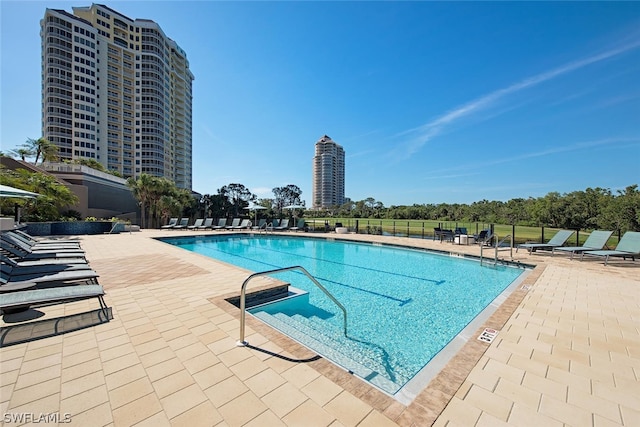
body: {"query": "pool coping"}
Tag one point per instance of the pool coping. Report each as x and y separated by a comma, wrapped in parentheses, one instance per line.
(429, 403)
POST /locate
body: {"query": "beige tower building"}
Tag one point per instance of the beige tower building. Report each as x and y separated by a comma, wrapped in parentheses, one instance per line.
(118, 91)
(328, 174)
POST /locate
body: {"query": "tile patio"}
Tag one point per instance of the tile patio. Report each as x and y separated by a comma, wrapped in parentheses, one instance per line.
(568, 353)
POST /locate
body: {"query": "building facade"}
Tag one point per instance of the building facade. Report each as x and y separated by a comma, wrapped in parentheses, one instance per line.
(328, 174)
(118, 91)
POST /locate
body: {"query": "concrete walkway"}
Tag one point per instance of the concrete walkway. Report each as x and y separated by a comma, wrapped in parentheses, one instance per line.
(567, 353)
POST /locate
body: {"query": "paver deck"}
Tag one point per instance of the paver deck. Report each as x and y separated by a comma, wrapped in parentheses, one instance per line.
(568, 353)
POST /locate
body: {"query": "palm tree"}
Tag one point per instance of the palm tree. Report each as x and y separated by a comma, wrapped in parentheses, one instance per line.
(142, 189)
(22, 152)
(41, 147)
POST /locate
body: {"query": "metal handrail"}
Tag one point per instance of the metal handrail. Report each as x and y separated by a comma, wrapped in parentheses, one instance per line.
(498, 248)
(242, 342)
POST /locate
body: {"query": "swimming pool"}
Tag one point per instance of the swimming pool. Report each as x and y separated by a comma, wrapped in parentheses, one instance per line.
(404, 306)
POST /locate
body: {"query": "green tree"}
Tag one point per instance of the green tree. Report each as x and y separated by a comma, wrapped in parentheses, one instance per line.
(22, 153)
(92, 163)
(239, 197)
(287, 196)
(52, 195)
(42, 149)
(142, 188)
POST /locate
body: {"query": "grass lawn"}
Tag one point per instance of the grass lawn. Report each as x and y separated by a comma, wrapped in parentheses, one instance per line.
(424, 228)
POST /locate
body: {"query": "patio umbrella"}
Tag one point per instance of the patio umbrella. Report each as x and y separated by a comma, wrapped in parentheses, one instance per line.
(255, 208)
(6, 191)
(293, 208)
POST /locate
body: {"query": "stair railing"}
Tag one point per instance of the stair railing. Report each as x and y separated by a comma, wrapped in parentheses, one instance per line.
(242, 342)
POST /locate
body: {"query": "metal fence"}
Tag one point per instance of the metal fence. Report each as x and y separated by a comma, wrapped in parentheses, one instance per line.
(430, 230)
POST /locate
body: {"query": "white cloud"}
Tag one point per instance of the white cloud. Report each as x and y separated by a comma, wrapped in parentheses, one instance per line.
(428, 131)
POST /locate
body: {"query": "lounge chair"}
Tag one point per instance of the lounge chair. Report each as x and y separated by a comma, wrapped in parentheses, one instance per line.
(484, 238)
(208, 223)
(34, 240)
(9, 275)
(596, 241)
(13, 267)
(26, 255)
(436, 233)
(8, 242)
(299, 225)
(628, 246)
(446, 235)
(234, 224)
(261, 224)
(42, 261)
(243, 225)
(22, 299)
(222, 223)
(196, 224)
(171, 224)
(184, 223)
(273, 224)
(19, 241)
(284, 225)
(558, 240)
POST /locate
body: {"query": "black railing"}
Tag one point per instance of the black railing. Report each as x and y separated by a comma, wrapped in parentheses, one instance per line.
(434, 230)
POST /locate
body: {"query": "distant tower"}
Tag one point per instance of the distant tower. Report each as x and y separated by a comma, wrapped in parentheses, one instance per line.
(118, 91)
(328, 174)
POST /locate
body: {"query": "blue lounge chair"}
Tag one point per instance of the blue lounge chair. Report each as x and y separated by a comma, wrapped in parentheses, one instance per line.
(628, 246)
(596, 241)
(558, 240)
(299, 226)
(484, 237)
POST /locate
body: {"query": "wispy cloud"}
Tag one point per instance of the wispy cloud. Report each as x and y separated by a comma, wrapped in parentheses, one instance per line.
(423, 134)
(584, 145)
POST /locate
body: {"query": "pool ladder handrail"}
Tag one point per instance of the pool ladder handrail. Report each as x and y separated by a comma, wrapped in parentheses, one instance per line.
(498, 248)
(241, 342)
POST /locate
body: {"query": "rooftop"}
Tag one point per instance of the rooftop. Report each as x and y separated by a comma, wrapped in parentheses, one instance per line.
(567, 352)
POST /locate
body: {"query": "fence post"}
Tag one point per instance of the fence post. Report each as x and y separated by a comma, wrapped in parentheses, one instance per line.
(357, 224)
(513, 234)
(542, 238)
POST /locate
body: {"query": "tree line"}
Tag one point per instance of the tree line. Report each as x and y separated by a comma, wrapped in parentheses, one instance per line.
(593, 208)
(160, 200)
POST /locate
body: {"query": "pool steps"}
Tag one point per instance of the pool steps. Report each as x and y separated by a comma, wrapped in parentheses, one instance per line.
(353, 357)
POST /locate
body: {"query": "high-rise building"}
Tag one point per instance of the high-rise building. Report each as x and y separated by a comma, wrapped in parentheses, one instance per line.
(328, 174)
(118, 91)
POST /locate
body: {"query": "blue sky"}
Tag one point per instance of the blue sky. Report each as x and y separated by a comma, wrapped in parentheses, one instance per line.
(432, 101)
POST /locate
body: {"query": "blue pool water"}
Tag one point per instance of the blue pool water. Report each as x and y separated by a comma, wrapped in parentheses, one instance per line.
(404, 306)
